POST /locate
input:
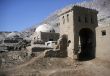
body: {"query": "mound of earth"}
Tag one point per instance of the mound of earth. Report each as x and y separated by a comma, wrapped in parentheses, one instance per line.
(39, 66)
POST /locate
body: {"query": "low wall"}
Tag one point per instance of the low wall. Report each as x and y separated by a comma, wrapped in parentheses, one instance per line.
(103, 43)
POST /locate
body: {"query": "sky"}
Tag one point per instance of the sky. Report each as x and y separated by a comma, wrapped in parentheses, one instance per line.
(17, 15)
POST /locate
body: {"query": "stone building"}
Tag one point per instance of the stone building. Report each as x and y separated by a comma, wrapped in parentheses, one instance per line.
(45, 32)
(79, 24)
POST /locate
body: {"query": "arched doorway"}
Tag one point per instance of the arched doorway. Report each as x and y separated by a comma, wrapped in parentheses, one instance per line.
(87, 42)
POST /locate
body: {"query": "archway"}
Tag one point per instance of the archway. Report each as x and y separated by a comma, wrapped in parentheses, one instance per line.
(87, 42)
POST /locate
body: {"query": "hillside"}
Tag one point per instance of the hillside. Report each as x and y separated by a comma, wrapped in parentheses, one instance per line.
(102, 6)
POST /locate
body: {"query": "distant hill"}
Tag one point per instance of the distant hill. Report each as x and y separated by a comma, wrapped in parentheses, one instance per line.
(3, 35)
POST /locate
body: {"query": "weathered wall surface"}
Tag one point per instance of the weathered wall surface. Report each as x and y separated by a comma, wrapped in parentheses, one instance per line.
(49, 36)
(84, 18)
(103, 43)
(70, 24)
(66, 27)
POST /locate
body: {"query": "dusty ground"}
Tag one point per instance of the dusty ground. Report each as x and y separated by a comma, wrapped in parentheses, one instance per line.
(39, 66)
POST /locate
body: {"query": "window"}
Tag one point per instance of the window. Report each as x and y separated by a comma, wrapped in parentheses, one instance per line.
(48, 44)
(63, 19)
(34, 38)
(92, 20)
(67, 17)
(86, 21)
(79, 19)
(103, 32)
(50, 39)
(58, 24)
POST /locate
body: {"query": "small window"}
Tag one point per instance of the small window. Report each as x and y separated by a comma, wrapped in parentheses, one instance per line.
(50, 39)
(103, 32)
(67, 17)
(92, 20)
(79, 19)
(58, 24)
(48, 44)
(86, 21)
(63, 19)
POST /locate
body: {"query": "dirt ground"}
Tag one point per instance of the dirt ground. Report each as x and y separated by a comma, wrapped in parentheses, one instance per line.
(59, 67)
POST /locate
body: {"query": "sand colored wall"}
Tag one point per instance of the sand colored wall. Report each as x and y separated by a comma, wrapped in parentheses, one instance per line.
(67, 28)
(82, 13)
(72, 27)
(103, 43)
(48, 36)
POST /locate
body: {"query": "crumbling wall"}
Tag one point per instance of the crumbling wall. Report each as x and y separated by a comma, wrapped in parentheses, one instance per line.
(60, 50)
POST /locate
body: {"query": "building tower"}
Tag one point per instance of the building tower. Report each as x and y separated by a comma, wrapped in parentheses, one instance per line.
(79, 24)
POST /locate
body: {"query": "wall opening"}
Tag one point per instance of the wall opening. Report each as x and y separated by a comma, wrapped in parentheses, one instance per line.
(63, 18)
(79, 19)
(103, 32)
(67, 17)
(50, 39)
(87, 41)
(86, 20)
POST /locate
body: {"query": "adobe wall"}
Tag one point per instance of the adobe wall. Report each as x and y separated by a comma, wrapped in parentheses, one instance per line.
(70, 25)
(49, 36)
(66, 27)
(82, 13)
(103, 43)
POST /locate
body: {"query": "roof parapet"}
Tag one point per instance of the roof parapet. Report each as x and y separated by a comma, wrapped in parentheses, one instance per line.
(66, 10)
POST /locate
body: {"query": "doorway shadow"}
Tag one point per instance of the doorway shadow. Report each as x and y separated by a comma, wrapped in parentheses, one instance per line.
(85, 59)
(88, 42)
